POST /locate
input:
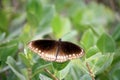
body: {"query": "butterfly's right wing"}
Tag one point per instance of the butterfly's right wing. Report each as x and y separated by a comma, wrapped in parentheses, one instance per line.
(69, 51)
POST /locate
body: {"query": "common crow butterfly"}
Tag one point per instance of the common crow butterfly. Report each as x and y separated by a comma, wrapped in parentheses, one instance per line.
(58, 51)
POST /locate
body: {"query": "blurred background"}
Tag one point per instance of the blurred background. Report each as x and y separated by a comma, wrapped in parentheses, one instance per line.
(92, 24)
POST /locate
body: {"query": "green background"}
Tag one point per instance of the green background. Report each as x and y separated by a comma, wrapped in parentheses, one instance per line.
(92, 25)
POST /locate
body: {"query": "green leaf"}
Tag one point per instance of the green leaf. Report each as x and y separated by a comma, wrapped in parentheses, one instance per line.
(2, 36)
(12, 64)
(34, 12)
(39, 66)
(38, 15)
(47, 17)
(106, 44)
(91, 51)
(7, 43)
(98, 62)
(88, 39)
(43, 77)
(115, 72)
(0, 62)
(71, 36)
(92, 14)
(60, 26)
(77, 70)
(116, 57)
(86, 77)
(25, 60)
(3, 21)
(64, 72)
(116, 33)
(105, 63)
(104, 77)
(99, 30)
(27, 31)
(60, 66)
(7, 48)
(59, 4)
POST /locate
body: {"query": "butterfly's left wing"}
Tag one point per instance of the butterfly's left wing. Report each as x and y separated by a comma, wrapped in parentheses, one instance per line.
(45, 48)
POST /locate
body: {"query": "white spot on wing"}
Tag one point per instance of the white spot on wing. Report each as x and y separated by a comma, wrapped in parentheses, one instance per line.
(39, 51)
(36, 49)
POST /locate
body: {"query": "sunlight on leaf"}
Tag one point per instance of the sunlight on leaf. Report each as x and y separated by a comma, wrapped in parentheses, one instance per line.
(60, 26)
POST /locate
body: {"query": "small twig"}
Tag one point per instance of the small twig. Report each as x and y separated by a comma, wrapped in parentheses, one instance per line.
(29, 73)
(90, 71)
(54, 78)
(112, 4)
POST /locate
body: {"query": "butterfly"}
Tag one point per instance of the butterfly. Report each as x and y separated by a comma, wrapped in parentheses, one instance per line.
(58, 51)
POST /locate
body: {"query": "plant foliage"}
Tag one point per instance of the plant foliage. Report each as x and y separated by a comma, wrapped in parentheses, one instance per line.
(90, 26)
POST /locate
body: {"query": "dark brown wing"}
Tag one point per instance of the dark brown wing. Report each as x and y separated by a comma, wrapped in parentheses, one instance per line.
(45, 48)
(58, 51)
(68, 51)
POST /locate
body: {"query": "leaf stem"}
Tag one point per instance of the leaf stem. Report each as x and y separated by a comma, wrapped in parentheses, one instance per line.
(90, 71)
(53, 76)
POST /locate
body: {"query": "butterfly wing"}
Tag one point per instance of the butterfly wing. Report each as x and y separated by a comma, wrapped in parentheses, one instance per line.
(45, 48)
(58, 51)
(69, 51)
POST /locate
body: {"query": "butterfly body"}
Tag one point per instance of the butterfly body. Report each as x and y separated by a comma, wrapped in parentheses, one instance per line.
(58, 51)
